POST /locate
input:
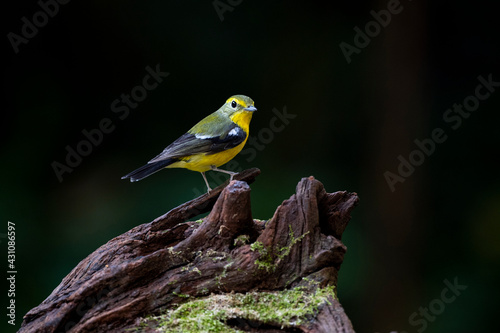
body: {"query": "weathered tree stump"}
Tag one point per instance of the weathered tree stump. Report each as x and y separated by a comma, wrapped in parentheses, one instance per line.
(156, 265)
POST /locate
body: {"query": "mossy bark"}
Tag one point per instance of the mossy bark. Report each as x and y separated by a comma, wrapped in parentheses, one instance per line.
(157, 265)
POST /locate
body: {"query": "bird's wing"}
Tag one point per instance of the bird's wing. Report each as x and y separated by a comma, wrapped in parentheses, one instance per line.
(229, 136)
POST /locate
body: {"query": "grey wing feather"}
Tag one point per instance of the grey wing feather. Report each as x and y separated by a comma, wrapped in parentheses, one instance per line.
(189, 144)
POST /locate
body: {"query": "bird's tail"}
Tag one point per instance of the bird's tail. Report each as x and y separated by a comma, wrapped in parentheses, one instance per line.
(148, 169)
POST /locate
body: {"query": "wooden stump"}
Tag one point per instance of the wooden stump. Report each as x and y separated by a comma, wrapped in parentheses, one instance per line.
(156, 265)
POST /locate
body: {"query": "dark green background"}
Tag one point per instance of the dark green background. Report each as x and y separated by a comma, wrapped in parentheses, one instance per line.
(353, 121)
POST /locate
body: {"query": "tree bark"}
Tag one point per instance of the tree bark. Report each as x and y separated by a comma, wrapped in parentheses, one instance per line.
(150, 268)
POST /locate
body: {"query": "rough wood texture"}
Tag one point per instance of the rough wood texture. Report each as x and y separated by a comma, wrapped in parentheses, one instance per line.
(153, 265)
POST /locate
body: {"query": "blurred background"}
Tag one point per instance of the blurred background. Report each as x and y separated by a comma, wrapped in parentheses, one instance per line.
(348, 104)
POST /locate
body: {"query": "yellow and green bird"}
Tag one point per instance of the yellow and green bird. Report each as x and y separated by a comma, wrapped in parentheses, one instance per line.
(214, 141)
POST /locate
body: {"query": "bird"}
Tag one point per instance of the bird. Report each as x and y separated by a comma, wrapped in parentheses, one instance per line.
(212, 142)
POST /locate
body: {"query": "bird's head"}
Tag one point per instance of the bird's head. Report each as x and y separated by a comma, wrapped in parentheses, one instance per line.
(238, 103)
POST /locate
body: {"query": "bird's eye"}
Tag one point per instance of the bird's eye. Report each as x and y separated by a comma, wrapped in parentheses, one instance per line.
(233, 104)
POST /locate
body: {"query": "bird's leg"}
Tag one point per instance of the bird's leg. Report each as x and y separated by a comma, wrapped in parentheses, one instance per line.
(206, 182)
(214, 168)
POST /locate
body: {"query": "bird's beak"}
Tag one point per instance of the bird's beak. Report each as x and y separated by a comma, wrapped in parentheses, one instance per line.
(251, 108)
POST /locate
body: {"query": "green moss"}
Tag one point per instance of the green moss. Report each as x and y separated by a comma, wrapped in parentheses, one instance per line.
(190, 268)
(172, 252)
(172, 282)
(266, 260)
(287, 308)
(219, 277)
(241, 240)
(284, 251)
(181, 295)
(217, 255)
(203, 291)
(257, 246)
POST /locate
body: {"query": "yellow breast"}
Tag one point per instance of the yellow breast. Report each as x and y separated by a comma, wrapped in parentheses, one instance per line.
(242, 119)
(203, 162)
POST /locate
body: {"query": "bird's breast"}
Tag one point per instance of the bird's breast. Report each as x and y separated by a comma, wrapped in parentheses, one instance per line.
(242, 119)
